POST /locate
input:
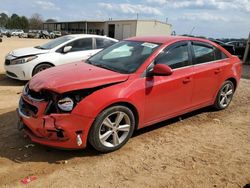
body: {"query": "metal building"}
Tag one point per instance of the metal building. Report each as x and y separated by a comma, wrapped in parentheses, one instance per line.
(119, 29)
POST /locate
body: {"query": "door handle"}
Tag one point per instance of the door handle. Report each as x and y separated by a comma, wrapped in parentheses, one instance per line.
(217, 71)
(187, 80)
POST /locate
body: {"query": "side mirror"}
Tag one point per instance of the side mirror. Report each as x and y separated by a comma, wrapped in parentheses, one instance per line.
(162, 70)
(66, 49)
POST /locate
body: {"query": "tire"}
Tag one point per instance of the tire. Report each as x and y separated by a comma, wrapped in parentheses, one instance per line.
(41, 67)
(225, 95)
(112, 129)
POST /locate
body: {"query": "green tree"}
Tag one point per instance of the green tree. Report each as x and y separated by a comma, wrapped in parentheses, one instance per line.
(24, 23)
(3, 19)
(13, 22)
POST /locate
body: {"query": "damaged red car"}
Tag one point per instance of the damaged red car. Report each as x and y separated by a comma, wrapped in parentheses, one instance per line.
(132, 84)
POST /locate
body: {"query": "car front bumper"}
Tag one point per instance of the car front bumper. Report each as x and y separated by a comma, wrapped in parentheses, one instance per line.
(67, 131)
(19, 72)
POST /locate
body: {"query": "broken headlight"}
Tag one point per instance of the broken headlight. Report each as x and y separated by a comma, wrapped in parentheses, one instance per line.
(66, 104)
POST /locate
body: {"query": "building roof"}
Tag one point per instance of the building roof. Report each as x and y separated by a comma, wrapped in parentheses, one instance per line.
(79, 21)
(103, 21)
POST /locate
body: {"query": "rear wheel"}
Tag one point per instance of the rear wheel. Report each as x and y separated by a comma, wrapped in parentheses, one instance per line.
(112, 129)
(41, 67)
(225, 95)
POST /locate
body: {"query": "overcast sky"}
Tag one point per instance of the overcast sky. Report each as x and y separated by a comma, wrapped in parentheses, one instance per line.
(211, 18)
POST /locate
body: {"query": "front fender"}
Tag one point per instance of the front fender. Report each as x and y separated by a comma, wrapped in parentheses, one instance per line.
(126, 92)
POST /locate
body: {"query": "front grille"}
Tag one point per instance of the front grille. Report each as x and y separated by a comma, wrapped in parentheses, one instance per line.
(7, 62)
(27, 109)
(11, 74)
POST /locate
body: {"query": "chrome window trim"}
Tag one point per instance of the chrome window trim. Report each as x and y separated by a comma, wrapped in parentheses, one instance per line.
(208, 62)
(201, 64)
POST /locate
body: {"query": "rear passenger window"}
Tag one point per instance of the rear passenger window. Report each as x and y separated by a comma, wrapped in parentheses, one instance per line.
(103, 43)
(205, 54)
(219, 54)
(175, 58)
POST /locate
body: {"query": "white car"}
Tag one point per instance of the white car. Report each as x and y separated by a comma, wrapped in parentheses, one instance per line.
(24, 63)
(17, 32)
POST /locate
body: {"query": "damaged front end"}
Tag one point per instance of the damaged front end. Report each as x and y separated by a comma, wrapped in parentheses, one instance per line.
(47, 117)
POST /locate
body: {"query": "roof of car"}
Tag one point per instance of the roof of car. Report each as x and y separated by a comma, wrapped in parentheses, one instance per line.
(164, 39)
(85, 35)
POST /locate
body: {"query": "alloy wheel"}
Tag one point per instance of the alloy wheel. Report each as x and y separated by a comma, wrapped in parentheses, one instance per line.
(226, 95)
(114, 129)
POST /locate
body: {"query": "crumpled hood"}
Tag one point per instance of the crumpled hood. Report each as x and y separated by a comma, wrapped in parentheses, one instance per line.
(27, 51)
(74, 76)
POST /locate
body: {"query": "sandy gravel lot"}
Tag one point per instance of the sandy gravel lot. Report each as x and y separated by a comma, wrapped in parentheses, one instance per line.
(202, 149)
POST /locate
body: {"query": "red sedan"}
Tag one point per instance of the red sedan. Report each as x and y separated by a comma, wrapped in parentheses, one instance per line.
(132, 84)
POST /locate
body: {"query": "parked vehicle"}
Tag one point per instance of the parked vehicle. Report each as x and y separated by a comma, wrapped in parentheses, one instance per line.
(129, 85)
(24, 63)
(8, 33)
(23, 35)
(33, 34)
(228, 47)
(55, 34)
(44, 34)
(17, 32)
(239, 46)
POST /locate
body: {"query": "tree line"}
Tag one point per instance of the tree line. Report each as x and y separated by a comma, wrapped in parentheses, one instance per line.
(21, 22)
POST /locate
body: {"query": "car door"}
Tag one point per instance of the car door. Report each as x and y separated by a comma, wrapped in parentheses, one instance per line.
(166, 96)
(208, 67)
(81, 49)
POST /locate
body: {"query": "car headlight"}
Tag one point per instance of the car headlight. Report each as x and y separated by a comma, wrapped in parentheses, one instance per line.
(22, 60)
(66, 104)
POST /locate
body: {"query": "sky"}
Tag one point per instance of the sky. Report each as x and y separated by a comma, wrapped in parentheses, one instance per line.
(210, 18)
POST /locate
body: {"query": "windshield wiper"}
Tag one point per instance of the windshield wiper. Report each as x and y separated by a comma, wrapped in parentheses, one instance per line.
(89, 62)
(39, 47)
(105, 67)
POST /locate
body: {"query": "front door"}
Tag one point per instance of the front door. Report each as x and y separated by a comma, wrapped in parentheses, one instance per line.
(169, 95)
(81, 49)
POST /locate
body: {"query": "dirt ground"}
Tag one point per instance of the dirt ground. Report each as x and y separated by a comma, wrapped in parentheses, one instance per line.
(205, 148)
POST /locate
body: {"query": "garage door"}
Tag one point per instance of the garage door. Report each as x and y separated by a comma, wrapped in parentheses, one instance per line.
(126, 31)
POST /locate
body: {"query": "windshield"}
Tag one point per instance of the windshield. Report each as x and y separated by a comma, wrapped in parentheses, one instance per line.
(55, 42)
(123, 57)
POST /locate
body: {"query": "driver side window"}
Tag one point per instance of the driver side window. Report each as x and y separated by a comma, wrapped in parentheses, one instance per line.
(176, 57)
(81, 44)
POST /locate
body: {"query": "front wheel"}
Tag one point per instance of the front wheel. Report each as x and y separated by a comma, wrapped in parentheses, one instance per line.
(225, 95)
(112, 129)
(40, 68)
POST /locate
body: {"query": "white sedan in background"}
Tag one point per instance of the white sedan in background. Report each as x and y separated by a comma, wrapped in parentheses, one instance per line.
(24, 63)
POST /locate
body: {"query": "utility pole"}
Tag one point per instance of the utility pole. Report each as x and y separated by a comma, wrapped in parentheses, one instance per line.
(191, 31)
(246, 58)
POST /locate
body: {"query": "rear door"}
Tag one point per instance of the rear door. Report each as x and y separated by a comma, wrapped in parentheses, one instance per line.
(208, 64)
